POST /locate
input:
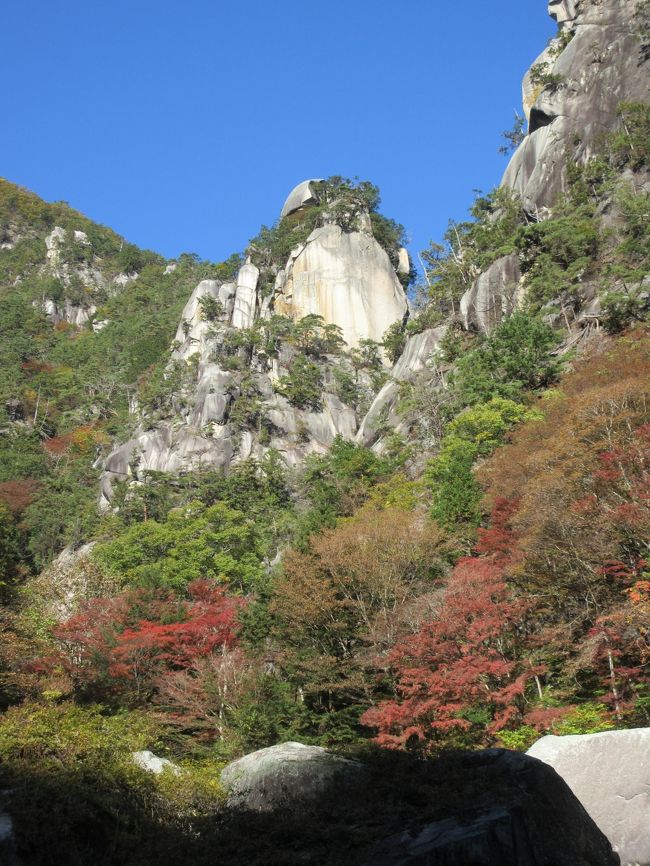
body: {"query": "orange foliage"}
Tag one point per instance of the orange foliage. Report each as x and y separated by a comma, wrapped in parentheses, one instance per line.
(582, 478)
(17, 495)
(81, 440)
(341, 605)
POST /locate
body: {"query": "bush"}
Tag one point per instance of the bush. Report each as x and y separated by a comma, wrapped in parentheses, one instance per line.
(474, 433)
(303, 385)
(517, 356)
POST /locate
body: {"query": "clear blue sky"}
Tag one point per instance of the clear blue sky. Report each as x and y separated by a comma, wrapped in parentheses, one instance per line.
(183, 125)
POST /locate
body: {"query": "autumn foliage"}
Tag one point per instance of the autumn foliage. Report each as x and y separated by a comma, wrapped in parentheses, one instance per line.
(462, 666)
(124, 645)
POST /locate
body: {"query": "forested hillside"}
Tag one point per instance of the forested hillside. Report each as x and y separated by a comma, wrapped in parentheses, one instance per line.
(460, 561)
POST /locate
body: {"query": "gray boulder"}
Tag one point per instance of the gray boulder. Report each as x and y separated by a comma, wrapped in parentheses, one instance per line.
(518, 812)
(151, 763)
(416, 363)
(300, 196)
(7, 839)
(610, 774)
(270, 778)
(493, 296)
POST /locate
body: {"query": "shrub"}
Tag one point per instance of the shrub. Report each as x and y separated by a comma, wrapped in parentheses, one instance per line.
(303, 385)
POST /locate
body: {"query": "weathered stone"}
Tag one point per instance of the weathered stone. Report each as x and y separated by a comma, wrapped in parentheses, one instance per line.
(165, 449)
(71, 578)
(519, 813)
(212, 395)
(146, 760)
(404, 262)
(600, 67)
(562, 10)
(275, 777)
(300, 195)
(610, 774)
(193, 328)
(7, 839)
(413, 363)
(74, 314)
(493, 296)
(529, 89)
(346, 278)
(245, 296)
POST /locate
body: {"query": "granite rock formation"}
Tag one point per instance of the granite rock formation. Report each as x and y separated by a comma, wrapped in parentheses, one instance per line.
(609, 773)
(572, 93)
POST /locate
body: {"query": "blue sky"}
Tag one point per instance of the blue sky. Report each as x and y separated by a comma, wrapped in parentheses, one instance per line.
(183, 126)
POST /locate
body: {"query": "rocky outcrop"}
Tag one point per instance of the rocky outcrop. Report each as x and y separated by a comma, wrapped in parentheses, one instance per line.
(56, 593)
(77, 315)
(243, 313)
(165, 449)
(290, 773)
(343, 276)
(488, 808)
(580, 84)
(7, 841)
(348, 279)
(300, 196)
(610, 774)
(493, 296)
(417, 362)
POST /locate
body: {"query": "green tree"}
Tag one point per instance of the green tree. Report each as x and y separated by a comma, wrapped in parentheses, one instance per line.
(194, 542)
(302, 386)
(516, 356)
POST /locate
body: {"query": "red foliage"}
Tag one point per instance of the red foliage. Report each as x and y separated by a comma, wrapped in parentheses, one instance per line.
(463, 659)
(58, 444)
(34, 366)
(17, 495)
(498, 540)
(123, 644)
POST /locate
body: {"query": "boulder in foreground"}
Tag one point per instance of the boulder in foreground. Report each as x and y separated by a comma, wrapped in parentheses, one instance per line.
(610, 774)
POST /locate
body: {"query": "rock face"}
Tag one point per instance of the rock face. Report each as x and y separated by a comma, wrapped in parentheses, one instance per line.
(488, 808)
(610, 774)
(493, 296)
(245, 297)
(520, 813)
(74, 314)
(272, 778)
(165, 449)
(300, 196)
(7, 842)
(346, 278)
(601, 66)
(417, 362)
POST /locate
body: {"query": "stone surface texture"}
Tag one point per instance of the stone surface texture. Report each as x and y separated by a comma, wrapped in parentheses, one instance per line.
(287, 773)
(519, 813)
(416, 363)
(345, 277)
(600, 67)
(348, 279)
(493, 295)
(146, 760)
(300, 195)
(610, 774)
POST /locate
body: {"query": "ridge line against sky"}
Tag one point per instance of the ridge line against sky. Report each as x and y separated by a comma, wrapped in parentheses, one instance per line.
(183, 127)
